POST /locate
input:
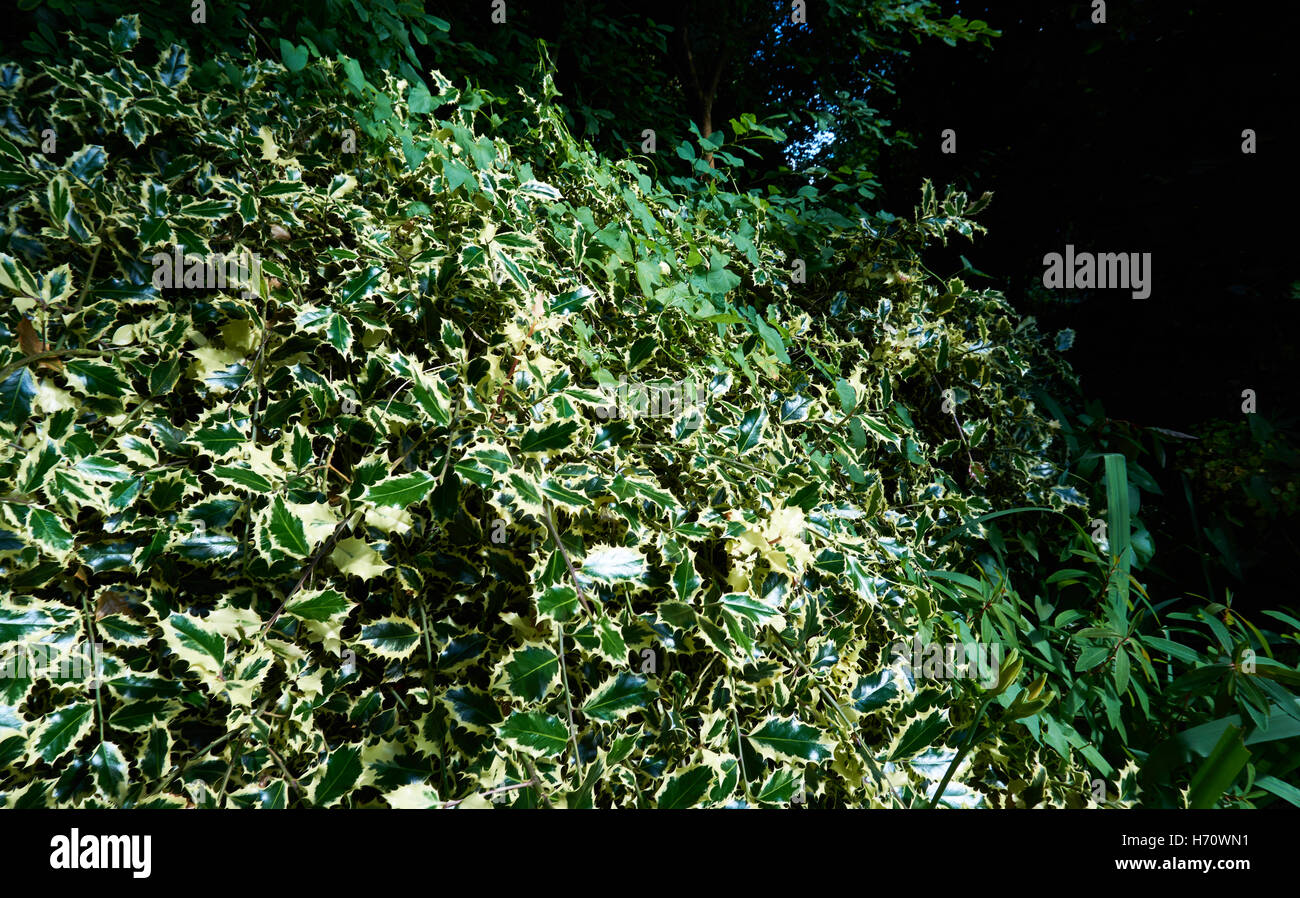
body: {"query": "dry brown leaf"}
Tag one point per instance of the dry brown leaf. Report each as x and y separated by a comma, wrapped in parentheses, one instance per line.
(28, 340)
(112, 603)
(31, 344)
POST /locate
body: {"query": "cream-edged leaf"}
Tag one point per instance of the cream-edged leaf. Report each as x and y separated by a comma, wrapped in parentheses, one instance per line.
(354, 556)
(390, 637)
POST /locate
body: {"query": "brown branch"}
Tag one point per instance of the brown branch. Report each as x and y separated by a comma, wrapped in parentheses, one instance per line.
(320, 554)
(497, 791)
(514, 363)
(549, 522)
(537, 781)
(708, 104)
(690, 60)
(713, 92)
(706, 100)
(52, 354)
(337, 471)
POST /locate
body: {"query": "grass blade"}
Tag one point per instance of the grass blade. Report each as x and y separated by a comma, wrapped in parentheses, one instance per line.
(1118, 529)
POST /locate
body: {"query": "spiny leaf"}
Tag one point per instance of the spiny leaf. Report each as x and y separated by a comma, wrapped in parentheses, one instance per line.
(391, 637)
(686, 789)
(287, 530)
(790, 739)
(618, 696)
(401, 491)
(61, 729)
(340, 774)
(610, 564)
(535, 732)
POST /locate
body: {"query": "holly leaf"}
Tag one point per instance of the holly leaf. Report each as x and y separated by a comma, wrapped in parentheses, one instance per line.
(537, 733)
(790, 739)
(354, 556)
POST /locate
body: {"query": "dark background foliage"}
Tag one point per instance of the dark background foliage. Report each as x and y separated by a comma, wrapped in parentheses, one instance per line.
(1127, 137)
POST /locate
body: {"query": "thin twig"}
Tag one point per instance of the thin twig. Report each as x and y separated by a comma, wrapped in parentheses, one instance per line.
(537, 781)
(740, 745)
(181, 768)
(839, 712)
(85, 288)
(496, 791)
(292, 780)
(549, 521)
(568, 702)
(320, 554)
(51, 354)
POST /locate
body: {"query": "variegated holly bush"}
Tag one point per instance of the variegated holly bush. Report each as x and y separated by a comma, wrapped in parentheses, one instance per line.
(367, 529)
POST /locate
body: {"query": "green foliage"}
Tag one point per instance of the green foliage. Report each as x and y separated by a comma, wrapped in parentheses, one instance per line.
(627, 65)
(1158, 682)
(361, 528)
(1239, 473)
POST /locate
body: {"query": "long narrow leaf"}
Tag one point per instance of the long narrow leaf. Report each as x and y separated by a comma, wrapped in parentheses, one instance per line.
(1119, 530)
(1219, 770)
